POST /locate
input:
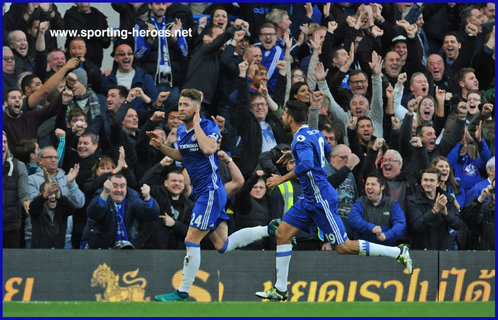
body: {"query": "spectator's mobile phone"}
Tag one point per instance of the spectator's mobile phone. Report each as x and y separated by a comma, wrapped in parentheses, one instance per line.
(492, 190)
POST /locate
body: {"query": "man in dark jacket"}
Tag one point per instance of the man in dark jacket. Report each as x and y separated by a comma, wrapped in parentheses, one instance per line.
(112, 214)
(399, 183)
(15, 192)
(206, 62)
(430, 213)
(77, 47)
(259, 131)
(83, 17)
(480, 218)
(49, 212)
(169, 229)
(425, 140)
(86, 155)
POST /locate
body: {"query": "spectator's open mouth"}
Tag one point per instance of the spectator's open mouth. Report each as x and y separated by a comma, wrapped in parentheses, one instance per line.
(427, 113)
(444, 174)
(358, 112)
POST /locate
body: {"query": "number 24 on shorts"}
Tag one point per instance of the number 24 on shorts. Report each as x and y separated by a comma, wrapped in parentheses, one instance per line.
(196, 220)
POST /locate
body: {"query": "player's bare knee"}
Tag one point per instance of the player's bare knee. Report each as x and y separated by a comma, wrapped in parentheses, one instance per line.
(282, 237)
(218, 246)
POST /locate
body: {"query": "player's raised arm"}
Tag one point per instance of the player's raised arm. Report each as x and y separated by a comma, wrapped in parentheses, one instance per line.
(207, 144)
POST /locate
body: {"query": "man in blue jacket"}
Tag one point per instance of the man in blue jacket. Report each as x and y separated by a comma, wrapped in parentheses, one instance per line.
(377, 218)
(112, 214)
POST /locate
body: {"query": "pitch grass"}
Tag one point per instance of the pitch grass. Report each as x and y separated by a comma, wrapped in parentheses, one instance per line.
(247, 309)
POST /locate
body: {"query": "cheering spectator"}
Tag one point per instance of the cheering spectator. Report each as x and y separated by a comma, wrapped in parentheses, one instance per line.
(84, 17)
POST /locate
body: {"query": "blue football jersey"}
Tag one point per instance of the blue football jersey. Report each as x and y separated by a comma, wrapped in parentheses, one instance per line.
(202, 169)
(309, 149)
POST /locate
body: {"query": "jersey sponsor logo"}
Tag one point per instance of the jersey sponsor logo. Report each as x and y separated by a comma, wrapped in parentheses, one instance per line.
(189, 146)
(300, 138)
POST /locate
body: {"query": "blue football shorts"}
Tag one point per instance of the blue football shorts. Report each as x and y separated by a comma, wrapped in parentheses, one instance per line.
(304, 215)
(209, 210)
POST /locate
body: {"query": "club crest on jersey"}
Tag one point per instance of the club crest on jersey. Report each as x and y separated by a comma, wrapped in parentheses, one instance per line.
(194, 138)
(300, 138)
(214, 136)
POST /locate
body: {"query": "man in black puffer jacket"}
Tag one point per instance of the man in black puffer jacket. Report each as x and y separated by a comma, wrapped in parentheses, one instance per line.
(430, 213)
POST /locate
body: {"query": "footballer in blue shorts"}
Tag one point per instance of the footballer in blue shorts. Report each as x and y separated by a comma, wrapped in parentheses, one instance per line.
(317, 204)
(197, 141)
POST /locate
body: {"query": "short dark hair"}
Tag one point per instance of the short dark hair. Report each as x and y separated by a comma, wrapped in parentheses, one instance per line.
(76, 39)
(380, 178)
(9, 90)
(297, 110)
(418, 131)
(118, 175)
(173, 108)
(27, 81)
(335, 51)
(461, 73)
(24, 148)
(93, 137)
(173, 171)
(452, 33)
(431, 170)
(123, 91)
(356, 72)
(364, 118)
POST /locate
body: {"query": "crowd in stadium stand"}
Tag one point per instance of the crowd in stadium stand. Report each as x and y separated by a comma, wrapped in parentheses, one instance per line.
(403, 93)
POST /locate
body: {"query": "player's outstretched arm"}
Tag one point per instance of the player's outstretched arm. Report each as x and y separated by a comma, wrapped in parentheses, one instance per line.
(275, 179)
(161, 146)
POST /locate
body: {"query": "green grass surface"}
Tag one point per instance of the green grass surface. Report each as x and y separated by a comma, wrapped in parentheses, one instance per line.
(245, 309)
